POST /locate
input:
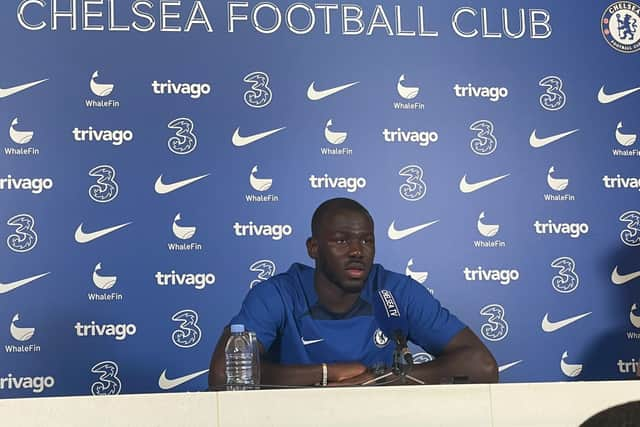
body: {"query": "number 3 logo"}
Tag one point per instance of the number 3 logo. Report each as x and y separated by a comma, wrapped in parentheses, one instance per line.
(260, 94)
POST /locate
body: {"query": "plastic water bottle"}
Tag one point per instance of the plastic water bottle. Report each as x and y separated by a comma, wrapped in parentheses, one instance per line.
(239, 360)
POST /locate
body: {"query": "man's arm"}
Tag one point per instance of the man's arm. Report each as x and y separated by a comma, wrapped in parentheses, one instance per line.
(464, 356)
(276, 374)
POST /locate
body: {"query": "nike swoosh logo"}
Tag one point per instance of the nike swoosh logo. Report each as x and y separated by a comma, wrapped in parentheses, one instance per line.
(466, 187)
(162, 188)
(621, 279)
(167, 384)
(395, 234)
(316, 95)
(7, 287)
(82, 237)
(241, 141)
(508, 365)
(536, 142)
(549, 326)
(305, 342)
(13, 90)
(604, 98)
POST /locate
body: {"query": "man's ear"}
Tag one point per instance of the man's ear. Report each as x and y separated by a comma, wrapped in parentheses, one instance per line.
(312, 247)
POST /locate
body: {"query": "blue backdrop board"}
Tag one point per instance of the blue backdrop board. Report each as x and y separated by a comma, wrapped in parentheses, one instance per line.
(159, 158)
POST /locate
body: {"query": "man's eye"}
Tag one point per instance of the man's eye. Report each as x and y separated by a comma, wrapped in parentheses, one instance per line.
(341, 241)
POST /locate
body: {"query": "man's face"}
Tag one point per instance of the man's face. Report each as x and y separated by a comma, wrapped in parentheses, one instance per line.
(343, 249)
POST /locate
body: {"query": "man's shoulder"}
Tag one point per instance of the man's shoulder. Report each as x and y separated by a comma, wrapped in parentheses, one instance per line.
(287, 281)
(399, 284)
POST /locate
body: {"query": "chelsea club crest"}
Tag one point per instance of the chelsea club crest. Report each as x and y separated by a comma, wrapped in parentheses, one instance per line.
(620, 24)
(380, 339)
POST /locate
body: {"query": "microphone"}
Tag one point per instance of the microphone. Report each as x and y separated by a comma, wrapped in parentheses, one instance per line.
(395, 326)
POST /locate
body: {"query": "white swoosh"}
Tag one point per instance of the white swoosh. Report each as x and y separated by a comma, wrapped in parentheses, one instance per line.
(465, 187)
(487, 230)
(82, 237)
(6, 287)
(418, 276)
(332, 137)
(162, 188)
(241, 141)
(536, 142)
(557, 184)
(604, 98)
(508, 365)
(569, 369)
(406, 92)
(401, 234)
(18, 333)
(167, 384)
(305, 342)
(549, 326)
(18, 136)
(316, 95)
(621, 279)
(103, 282)
(624, 139)
(181, 232)
(13, 90)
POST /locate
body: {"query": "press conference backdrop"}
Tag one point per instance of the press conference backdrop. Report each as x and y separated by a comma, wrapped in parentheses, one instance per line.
(159, 158)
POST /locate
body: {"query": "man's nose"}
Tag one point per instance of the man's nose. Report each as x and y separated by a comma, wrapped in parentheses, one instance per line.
(355, 247)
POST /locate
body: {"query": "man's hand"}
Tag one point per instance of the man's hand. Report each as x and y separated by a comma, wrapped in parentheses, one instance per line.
(339, 372)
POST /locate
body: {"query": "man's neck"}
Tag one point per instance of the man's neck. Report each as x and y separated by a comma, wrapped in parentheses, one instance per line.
(332, 297)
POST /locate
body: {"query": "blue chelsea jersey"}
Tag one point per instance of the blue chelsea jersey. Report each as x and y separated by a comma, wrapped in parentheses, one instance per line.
(295, 329)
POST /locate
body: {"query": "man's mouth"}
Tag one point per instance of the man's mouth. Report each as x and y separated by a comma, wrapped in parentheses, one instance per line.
(355, 271)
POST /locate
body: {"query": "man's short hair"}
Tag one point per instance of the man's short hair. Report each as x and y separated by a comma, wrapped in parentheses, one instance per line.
(334, 205)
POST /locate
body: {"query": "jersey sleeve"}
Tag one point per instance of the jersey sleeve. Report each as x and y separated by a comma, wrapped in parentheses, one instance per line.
(262, 312)
(431, 326)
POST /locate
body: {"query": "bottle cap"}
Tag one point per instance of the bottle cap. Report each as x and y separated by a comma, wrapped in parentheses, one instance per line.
(238, 328)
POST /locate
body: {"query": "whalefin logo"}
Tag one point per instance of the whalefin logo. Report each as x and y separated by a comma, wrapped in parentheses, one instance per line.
(167, 384)
(8, 287)
(418, 276)
(100, 89)
(623, 279)
(467, 187)
(537, 142)
(335, 138)
(103, 282)
(241, 141)
(549, 326)
(633, 318)
(162, 188)
(4, 93)
(181, 232)
(18, 333)
(315, 95)
(19, 136)
(569, 369)
(557, 184)
(395, 234)
(82, 237)
(407, 92)
(487, 230)
(624, 139)
(259, 184)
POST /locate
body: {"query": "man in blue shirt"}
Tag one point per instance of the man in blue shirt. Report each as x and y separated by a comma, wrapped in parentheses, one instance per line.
(317, 326)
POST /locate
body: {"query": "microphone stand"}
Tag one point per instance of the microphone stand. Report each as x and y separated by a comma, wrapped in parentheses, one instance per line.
(402, 364)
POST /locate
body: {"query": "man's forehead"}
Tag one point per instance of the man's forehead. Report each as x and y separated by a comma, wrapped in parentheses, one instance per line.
(346, 219)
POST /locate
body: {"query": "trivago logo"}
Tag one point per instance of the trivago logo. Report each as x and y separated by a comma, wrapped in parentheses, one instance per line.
(574, 230)
(621, 182)
(351, 184)
(112, 136)
(194, 90)
(198, 280)
(120, 331)
(275, 231)
(35, 185)
(493, 94)
(35, 384)
(504, 277)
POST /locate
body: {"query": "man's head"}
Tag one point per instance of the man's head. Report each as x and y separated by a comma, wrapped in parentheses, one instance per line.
(342, 244)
